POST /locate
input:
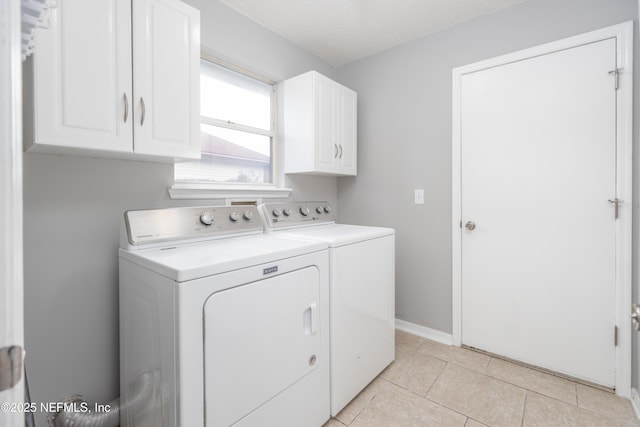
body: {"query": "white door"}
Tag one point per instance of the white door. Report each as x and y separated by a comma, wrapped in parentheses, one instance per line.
(11, 278)
(538, 168)
(166, 78)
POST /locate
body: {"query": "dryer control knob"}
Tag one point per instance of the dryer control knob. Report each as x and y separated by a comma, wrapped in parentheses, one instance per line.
(286, 212)
(248, 215)
(233, 216)
(319, 209)
(276, 212)
(327, 209)
(304, 211)
(207, 218)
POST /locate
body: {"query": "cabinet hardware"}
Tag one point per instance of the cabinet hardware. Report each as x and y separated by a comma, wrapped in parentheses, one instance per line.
(335, 151)
(143, 111)
(126, 107)
(340, 151)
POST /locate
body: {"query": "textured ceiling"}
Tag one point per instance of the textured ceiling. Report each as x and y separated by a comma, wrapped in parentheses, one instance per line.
(341, 31)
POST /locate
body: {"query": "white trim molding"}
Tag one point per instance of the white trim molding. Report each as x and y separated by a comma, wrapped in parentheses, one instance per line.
(424, 332)
(623, 33)
(12, 385)
(180, 191)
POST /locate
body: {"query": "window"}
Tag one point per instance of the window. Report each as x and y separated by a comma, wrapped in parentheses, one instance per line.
(237, 129)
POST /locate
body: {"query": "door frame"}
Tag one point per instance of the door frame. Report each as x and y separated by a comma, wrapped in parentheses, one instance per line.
(11, 282)
(623, 33)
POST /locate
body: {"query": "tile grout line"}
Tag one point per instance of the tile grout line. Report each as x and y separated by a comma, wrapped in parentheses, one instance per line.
(573, 383)
(581, 408)
(540, 369)
(435, 379)
(368, 402)
(442, 405)
(487, 377)
(524, 407)
(365, 407)
(425, 396)
(574, 401)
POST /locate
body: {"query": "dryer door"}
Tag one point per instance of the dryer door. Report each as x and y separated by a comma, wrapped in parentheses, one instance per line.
(260, 338)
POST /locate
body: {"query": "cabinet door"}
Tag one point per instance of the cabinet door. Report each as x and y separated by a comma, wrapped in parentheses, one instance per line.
(326, 146)
(82, 77)
(346, 131)
(166, 77)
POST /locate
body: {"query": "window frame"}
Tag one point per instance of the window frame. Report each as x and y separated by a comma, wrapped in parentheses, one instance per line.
(237, 191)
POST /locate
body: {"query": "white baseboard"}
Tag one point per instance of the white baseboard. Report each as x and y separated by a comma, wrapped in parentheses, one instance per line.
(424, 332)
(635, 402)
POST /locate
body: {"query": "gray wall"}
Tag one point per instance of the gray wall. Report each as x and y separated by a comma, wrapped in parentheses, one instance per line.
(404, 136)
(72, 211)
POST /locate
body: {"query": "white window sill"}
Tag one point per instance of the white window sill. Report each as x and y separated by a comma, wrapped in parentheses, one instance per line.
(182, 191)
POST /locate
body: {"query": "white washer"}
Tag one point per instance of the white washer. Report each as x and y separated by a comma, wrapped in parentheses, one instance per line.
(362, 291)
(220, 323)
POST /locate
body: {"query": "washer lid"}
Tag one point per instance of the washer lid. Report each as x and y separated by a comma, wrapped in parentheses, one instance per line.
(337, 234)
(195, 260)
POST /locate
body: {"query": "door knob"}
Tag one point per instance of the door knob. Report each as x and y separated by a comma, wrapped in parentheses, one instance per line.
(470, 225)
(635, 316)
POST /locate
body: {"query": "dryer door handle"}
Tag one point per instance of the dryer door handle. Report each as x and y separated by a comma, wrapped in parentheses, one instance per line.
(310, 319)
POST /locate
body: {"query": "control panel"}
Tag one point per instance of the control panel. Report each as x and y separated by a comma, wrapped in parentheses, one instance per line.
(283, 215)
(201, 223)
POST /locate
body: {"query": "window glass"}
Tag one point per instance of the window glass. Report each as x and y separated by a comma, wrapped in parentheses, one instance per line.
(232, 97)
(237, 130)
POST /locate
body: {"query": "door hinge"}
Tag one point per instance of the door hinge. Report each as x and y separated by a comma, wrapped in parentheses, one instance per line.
(615, 336)
(616, 73)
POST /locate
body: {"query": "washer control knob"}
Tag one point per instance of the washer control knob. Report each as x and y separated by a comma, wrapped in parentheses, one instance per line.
(319, 209)
(276, 212)
(207, 218)
(248, 215)
(286, 212)
(327, 209)
(233, 216)
(304, 211)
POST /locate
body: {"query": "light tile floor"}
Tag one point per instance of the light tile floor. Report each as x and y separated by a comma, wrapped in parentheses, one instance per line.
(431, 384)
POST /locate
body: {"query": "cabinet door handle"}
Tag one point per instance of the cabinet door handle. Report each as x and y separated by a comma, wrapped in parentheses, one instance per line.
(335, 151)
(126, 107)
(340, 151)
(143, 111)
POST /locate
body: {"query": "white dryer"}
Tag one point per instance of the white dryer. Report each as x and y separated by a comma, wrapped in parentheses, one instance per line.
(362, 291)
(220, 323)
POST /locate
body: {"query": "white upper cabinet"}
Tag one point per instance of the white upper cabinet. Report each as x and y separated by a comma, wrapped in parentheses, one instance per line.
(80, 78)
(320, 119)
(113, 80)
(166, 78)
